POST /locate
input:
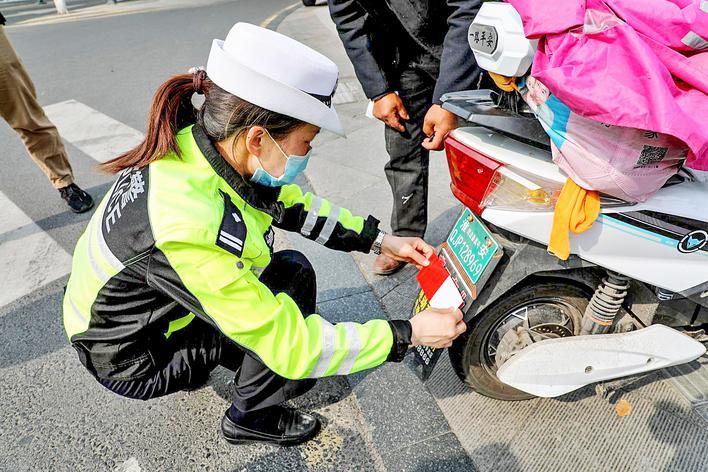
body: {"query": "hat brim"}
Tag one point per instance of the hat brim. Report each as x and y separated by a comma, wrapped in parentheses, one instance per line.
(259, 89)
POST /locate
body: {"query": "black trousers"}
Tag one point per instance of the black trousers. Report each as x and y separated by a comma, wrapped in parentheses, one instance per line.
(407, 169)
(198, 348)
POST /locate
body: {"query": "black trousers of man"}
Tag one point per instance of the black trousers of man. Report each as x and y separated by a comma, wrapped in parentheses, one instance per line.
(407, 169)
(198, 348)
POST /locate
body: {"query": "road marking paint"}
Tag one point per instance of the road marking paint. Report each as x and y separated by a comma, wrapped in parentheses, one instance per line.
(30, 257)
(42, 11)
(272, 19)
(131, 465)
(87, 13)
(94, 133)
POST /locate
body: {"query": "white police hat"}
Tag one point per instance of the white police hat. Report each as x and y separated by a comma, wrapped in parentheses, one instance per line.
(277, 73)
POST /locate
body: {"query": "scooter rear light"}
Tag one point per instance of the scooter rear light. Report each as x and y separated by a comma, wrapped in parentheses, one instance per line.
(471, 172)
(479, 182)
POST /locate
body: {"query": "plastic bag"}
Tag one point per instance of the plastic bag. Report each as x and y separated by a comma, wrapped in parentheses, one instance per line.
(626, 163)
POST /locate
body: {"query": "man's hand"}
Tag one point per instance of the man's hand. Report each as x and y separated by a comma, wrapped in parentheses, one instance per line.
(411, 250)
(437, 125)
(437, 328)
(390, 110)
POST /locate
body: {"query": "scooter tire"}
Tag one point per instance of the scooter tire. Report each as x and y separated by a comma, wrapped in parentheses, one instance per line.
(466, 353)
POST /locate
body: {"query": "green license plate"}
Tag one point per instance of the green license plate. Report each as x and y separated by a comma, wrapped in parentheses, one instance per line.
(472, 244)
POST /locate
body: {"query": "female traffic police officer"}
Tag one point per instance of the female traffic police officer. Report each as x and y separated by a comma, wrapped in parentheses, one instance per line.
(176, 274)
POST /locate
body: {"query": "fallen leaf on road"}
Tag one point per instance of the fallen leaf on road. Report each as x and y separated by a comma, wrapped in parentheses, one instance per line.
(623, 408)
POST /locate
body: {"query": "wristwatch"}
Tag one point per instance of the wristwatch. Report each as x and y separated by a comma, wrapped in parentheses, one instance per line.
(376, 247)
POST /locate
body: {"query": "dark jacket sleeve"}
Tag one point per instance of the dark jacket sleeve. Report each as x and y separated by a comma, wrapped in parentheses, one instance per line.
(458, 68)
(319, 220)
(351, 21)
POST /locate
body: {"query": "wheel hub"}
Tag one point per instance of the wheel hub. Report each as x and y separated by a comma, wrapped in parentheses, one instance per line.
(525, 326)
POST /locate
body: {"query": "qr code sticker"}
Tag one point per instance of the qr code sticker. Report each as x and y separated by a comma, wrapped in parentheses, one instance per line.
(651, 155)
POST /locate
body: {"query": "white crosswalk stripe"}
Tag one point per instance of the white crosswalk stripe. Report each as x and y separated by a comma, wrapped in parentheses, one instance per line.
(94, 133)
(29, 257)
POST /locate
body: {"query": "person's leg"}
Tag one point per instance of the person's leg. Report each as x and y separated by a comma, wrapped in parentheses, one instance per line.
(407, 168)
(190, 355)
(20, 109)
(256, 386)
(256, 413)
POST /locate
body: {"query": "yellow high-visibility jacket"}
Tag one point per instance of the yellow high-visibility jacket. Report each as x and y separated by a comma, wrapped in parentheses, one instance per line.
(187, 236)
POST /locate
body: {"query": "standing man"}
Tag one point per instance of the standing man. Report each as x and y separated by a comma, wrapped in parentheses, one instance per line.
(407, 54)
(20, 109)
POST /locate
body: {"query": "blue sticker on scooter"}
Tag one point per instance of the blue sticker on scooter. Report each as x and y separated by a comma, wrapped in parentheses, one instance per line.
(693, 241)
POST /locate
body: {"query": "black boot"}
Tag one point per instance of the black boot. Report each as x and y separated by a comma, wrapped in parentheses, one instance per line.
(276, 425)
(78, 200)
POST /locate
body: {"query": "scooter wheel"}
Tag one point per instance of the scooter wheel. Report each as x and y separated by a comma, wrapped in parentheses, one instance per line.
(545, 309)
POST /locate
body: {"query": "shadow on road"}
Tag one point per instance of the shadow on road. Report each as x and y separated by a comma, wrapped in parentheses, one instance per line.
(689, 439)
(59, 220)
(31, 327)
(504, 458)
(290, 457)
(620, 387)
(327, 390)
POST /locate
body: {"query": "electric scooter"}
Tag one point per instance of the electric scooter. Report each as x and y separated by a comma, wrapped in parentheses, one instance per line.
(631, 298)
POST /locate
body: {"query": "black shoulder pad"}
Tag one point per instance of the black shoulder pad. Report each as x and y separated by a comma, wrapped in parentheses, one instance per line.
(232, 232)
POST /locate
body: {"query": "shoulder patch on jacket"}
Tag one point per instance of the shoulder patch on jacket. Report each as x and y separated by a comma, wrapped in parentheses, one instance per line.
(232, 232)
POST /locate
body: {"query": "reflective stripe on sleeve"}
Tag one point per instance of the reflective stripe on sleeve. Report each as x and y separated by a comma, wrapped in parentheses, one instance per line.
(312, 215)
(329, 226)
(354, 348)
(329, 344)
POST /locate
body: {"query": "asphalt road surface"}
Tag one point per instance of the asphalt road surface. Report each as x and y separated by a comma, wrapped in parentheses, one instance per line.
(96, 78)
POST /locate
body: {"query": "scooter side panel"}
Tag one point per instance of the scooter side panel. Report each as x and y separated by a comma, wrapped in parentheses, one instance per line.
(618, 246)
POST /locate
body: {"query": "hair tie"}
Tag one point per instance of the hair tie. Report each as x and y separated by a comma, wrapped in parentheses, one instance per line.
(198, 76)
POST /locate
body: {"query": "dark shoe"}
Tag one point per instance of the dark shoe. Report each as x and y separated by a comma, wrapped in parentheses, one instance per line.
(384, 265)
(78, 200)
(275, 425)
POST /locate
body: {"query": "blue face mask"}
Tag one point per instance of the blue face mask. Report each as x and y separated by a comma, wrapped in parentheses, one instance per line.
(294, 166)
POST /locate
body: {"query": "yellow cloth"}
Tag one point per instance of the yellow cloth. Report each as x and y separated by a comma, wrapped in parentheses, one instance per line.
(576, 211)
(507, 84)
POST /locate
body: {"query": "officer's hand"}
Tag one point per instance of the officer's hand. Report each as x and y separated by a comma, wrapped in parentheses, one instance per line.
(437, 328)
(390, 110)
(411, 250)
(437, 125)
